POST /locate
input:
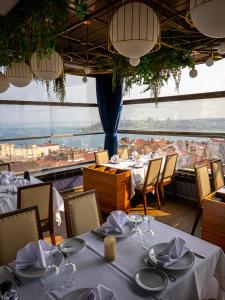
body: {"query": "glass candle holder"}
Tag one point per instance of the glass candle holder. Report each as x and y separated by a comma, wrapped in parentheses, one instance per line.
(109, 248)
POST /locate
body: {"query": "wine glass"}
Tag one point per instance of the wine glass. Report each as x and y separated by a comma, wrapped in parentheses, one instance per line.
(136, 233)
(148, 235)
(68, 270)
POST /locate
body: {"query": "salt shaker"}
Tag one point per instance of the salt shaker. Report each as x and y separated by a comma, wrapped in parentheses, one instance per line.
(109, 248)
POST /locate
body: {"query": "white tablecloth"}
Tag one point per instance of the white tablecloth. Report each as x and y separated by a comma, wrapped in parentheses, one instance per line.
(137, 174)
(8, 200)
(91, 271)
(195, 284)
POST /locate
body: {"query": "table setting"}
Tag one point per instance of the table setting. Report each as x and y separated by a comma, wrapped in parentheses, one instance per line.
(9, 183)
(171, 262)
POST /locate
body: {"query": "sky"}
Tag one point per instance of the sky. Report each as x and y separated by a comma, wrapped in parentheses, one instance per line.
(209, 79)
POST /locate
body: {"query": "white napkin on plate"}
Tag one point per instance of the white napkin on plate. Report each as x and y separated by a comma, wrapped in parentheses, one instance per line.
(34, 252)
(173, 252)
(99, 292)
(6, 177)
(115, 222)
(115, 159)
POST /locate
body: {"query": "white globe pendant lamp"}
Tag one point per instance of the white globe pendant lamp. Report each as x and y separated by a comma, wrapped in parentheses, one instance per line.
(47, 68)
(221, 48)
(134, 61)
(4, 83)
(19, 74)
(208, 17)
(134, 30)
(193, 73)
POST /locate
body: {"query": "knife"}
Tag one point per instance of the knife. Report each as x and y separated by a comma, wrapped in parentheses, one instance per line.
(198, 255)
(14, 276)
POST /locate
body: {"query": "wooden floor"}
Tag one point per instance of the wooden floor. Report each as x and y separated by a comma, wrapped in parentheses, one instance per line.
(177, 213)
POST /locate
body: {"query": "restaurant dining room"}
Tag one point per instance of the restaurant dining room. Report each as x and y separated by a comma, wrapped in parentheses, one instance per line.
(112, 149)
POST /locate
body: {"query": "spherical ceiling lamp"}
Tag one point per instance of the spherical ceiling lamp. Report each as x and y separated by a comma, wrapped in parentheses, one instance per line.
(134, 61)
(84, 79)
(221, 48)
(134, 29)
(208, 17)
(47, 68)
(193, 73)
(209, 61)
(4, 83)
(87, 69)
(19, 74)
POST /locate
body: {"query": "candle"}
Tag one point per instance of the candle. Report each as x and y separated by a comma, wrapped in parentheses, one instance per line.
(110, 248)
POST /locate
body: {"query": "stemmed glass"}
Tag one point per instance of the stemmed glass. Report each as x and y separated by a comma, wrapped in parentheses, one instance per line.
(148, 234)
(68, 270)
(135, 233)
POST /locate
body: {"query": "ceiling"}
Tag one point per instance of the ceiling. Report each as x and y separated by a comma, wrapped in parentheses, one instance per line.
(88, 39)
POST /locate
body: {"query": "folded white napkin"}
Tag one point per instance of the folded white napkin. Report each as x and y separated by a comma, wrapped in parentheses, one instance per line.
(6, 177)
(134, 154)
(34, 252)
(99, 292)
(115, 222)
(174, 251)
(139, 163)
(8, 188)
(115, 158)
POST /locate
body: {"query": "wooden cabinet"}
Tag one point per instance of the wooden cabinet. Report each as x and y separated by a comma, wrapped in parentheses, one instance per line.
(213, 223)
(112, 186)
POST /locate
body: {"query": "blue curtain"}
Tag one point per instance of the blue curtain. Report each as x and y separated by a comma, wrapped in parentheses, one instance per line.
(110, 106)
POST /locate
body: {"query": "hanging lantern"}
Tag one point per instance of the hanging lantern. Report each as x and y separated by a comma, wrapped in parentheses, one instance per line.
(134, 30)
(209, 61)
(19, 74)
(47, 68)
(87, 69)
(84, 79)
(193, 73)
(221, 48)
(208, 17)
(4, 83)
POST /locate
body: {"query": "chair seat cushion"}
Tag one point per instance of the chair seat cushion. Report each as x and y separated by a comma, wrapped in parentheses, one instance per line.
(139, 188)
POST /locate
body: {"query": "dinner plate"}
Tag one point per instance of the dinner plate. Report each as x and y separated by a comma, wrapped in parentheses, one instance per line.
(34, 271)
(138, 217)
(127, 228)
(72, 245)
(75, 294)
(151, 279)
(183, 263)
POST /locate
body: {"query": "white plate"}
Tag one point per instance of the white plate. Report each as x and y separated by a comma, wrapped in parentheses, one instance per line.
(35, 271)
(184, 263)
(72, 245)
(151, 279)
(139, 218)
(127, 228)
(75, 294)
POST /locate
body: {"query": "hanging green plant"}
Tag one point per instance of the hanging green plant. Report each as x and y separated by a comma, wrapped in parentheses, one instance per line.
(81, 7)
(59, 87)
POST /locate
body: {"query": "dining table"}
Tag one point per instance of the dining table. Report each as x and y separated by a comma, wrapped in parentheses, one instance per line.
(8, 194)
(138, 172)
(205, 279)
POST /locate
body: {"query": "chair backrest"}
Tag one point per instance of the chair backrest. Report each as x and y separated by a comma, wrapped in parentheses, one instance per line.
(123, 153)
(39, 195)
(5, 167)
(153, 172)
(217, 174)
(101, 157)
(82, 213)
(169, 166)
(18, 228)
(202, 182)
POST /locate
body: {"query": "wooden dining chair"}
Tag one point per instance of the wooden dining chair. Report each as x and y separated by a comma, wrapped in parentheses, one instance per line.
(82, 213)
(203, 189)
(17, 228)
(123, 153)
(40, 195)
(217, 174)
(5, 167)
(167, 174)
(151, 182)
(101, 157)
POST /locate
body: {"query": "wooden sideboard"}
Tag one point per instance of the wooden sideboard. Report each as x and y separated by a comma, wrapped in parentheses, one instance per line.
(112, 186)
(213, 221)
